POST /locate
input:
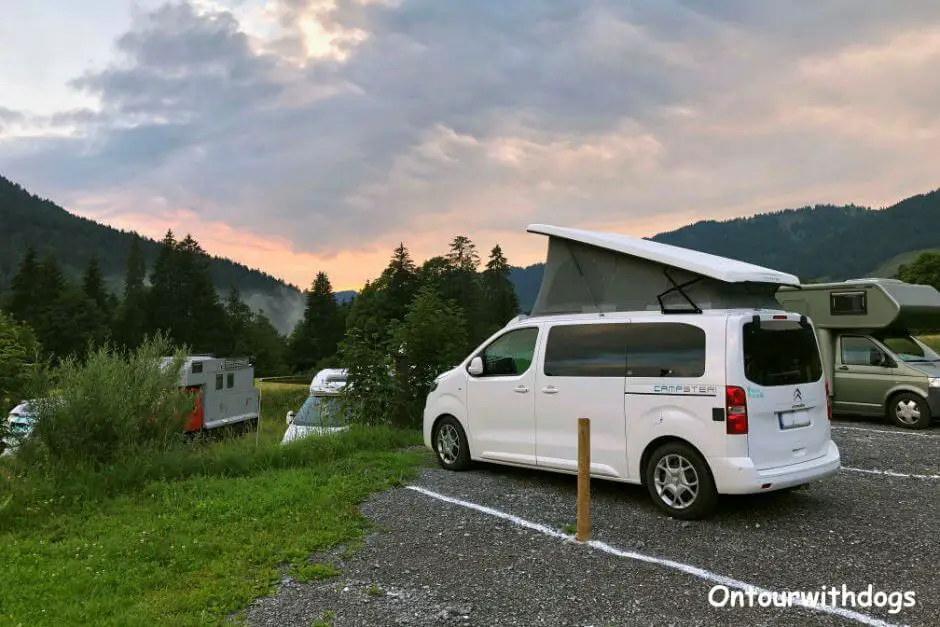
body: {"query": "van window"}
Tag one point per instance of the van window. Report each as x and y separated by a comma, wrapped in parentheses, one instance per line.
(780, 352)
(861, 351)
(510, 354)
(218, 381)
(586, 350)
(665, 349)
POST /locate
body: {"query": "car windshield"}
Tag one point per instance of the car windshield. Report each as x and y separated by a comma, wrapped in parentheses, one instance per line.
(320, 411)
(906, 348)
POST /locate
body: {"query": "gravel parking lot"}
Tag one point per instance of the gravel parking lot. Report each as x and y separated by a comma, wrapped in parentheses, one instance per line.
(432, 561)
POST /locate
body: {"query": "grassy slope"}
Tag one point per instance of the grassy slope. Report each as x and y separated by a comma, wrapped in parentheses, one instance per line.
(890, 267)
(203, 542)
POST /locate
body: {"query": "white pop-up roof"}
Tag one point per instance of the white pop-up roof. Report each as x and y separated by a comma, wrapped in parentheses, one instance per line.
(590, 271)
(704, 264)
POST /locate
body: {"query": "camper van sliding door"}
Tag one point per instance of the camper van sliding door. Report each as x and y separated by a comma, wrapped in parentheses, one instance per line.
(582, 376)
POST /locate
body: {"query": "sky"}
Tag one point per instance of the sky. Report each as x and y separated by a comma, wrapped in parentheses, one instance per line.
(305, 135)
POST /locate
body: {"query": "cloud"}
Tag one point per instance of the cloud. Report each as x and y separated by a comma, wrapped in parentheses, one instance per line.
(337, 128)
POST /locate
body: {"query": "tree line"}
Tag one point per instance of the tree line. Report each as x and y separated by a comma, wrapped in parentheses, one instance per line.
(415, 319)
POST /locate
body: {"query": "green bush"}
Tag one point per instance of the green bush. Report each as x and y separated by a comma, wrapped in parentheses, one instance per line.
(19, 361)
(111, 406)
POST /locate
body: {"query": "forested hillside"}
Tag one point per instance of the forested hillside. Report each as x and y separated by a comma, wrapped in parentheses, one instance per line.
(818, 243)
(823, 242)
(29, 221)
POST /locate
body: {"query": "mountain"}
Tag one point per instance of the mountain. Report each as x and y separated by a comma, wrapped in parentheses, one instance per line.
(28, 220)
(819, 243)
(823, 242)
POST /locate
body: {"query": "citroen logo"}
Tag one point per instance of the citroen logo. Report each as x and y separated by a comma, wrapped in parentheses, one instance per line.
(797, 396)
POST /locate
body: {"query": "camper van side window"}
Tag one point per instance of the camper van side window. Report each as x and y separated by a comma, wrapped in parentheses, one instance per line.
(218, 381)
(665, 349)
(586, 350)
(197, 367)
(510, 354)
(230, 380)
(848, 304)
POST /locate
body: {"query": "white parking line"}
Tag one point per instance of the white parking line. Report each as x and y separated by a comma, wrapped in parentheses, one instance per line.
(890, 473)
(882, 431)
(701, 573)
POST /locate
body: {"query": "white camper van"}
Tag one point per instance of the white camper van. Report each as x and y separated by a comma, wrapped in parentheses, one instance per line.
(695, 382)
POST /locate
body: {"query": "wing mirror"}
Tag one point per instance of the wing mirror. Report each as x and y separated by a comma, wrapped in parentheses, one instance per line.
(290, 417)
(476, 366)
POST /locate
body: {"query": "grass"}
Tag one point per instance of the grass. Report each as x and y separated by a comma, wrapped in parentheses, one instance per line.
(193, 536)
(933, 341)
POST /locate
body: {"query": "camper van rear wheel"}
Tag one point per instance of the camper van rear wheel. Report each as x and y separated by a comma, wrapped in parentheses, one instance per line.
(909, 410)
(679, 482)
(450, 444)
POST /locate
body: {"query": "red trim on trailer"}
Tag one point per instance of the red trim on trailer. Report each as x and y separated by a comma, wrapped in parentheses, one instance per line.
(196, 417)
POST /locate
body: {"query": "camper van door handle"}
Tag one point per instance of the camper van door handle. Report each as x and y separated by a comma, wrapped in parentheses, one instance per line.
(550, 390)
(521, 389)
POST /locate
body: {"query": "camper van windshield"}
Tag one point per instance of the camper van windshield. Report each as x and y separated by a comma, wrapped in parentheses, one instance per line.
(780, 353)
(320, 411)
(906, 348)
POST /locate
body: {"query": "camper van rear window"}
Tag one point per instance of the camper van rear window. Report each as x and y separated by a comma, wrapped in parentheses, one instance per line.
(848, 304)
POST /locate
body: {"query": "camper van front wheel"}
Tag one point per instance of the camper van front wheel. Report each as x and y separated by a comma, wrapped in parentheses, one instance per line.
(909, 410)
(450, 444)
(680, 483)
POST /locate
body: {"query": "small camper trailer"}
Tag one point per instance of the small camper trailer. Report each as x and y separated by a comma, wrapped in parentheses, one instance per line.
(695, 381)
(225, 391)
(875, 366)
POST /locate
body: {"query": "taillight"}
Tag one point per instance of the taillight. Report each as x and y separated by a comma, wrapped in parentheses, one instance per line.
(828, 402)
(736, 409)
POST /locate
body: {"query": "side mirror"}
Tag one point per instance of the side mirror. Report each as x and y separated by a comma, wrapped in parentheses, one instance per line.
(476, 366)
(290, 417)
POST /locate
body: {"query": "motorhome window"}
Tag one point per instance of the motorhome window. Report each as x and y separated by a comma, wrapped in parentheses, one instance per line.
(218, 381)
(197, 367)
(230, 380)
(586, 350)
(510, 354)
(665, 349)
(848, 304)
(778, 352)
(860, 351)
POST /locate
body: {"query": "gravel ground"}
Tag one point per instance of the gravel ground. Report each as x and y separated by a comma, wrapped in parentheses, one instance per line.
(435, 563)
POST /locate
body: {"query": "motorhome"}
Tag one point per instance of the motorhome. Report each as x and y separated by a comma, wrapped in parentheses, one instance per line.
(329, 380)
(225, 392)
(695, 381)
(874, 364)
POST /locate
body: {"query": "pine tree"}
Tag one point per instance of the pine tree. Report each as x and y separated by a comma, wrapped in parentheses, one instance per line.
(25, 298)
(319, 332)
(499, 295)
(136, 269)
(131, 324)
(93, 284)
(399, 282)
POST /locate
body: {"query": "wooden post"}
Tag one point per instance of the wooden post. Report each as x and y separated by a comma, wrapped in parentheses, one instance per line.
(584, 480)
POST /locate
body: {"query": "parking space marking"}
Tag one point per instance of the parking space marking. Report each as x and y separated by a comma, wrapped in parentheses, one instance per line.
(890, 473)
(695, 571)
(884, 431)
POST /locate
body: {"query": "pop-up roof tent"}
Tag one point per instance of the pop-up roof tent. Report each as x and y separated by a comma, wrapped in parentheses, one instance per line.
(866, 304)
(596, 272)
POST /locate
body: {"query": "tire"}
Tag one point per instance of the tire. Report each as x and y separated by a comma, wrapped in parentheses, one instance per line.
(908, 411)
(450, 444)
(675, 454)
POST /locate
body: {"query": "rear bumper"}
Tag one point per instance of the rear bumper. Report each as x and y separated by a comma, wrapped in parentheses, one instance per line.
(737, 475)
